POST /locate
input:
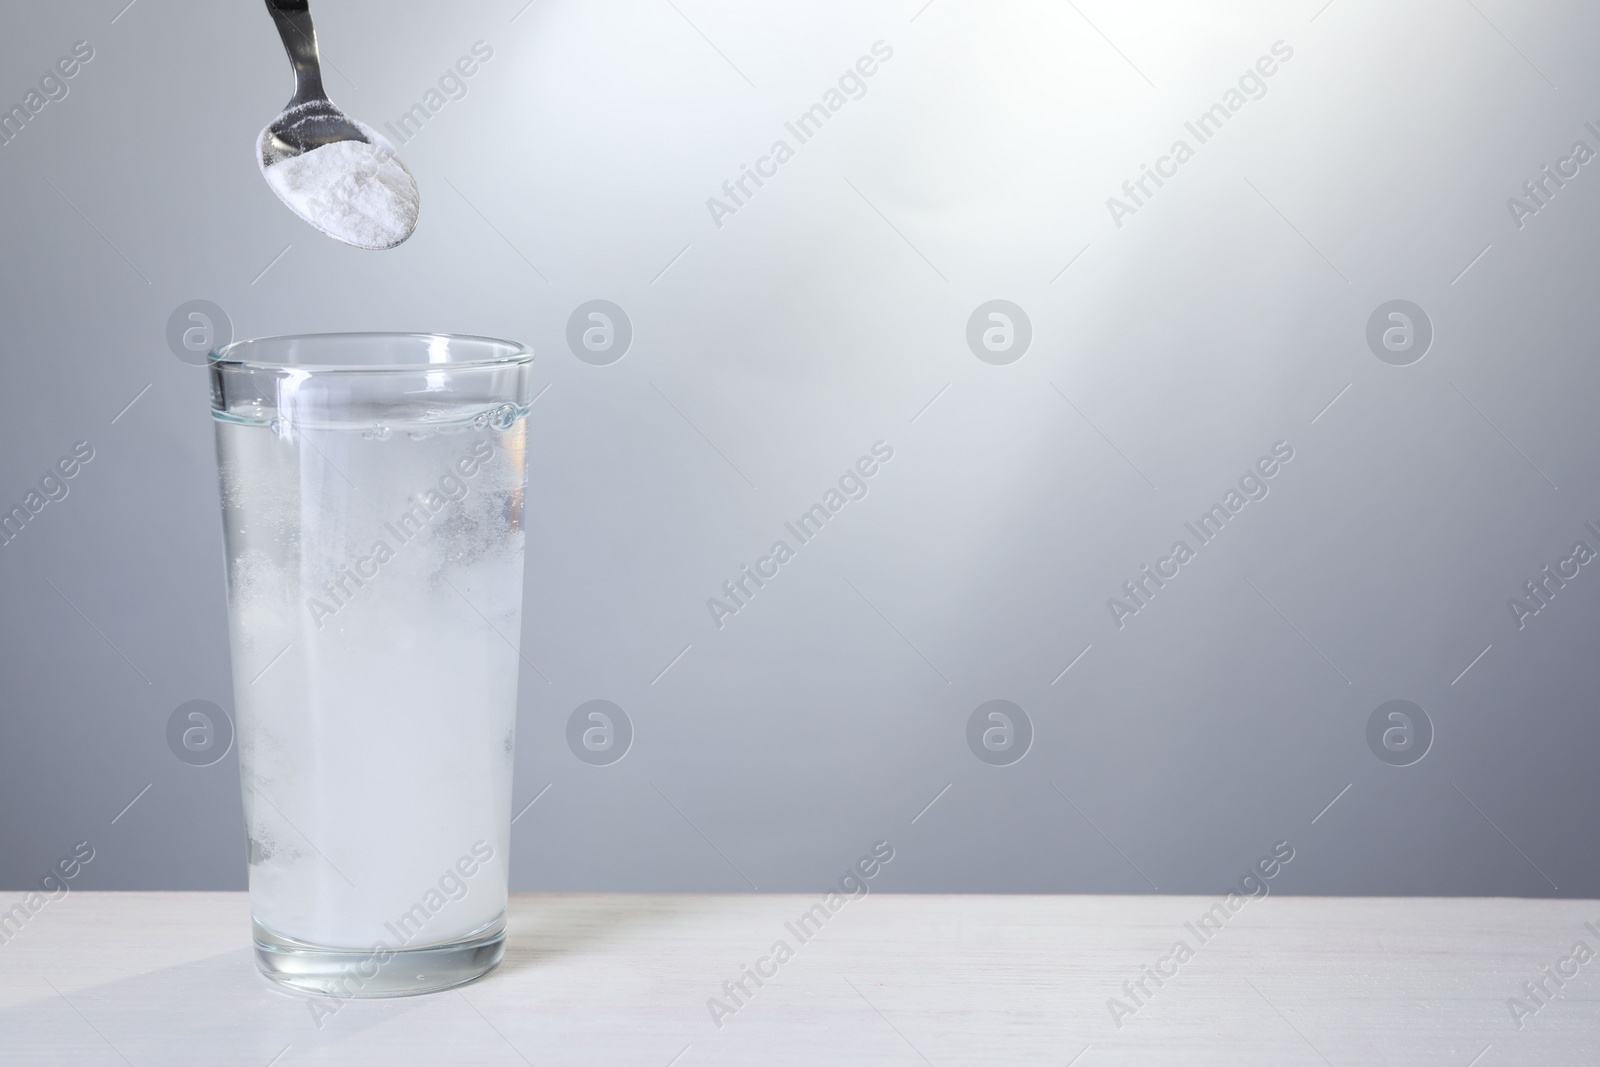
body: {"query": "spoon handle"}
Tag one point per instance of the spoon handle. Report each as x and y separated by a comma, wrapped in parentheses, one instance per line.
(293, 18)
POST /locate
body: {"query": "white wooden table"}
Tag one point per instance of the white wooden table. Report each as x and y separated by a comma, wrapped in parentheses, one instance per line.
(167, 979)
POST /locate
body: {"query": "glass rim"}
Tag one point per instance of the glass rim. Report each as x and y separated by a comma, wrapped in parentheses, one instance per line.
(230, 354)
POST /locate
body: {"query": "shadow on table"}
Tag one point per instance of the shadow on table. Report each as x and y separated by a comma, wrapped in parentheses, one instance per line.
(190, 1013)
(176, 1015)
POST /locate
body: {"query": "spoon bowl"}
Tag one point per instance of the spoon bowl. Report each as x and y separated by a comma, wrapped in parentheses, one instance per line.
(338, 174)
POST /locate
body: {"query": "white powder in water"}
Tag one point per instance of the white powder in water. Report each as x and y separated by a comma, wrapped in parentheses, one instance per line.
(357, 193)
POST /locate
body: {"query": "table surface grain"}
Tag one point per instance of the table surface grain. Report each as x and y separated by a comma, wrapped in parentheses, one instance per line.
(168, 979)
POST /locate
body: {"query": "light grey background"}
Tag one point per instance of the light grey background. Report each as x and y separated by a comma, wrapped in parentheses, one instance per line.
(830, 312)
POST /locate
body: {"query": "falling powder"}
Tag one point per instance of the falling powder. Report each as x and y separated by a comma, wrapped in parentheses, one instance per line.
(357, 193)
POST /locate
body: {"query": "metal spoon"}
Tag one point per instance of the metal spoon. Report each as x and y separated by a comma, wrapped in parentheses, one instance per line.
(309, 120)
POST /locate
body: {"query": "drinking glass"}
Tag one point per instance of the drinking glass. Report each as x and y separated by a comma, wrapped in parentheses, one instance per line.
(372, 496)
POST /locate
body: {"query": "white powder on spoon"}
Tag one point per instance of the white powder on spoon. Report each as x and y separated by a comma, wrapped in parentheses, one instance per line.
(357, 193)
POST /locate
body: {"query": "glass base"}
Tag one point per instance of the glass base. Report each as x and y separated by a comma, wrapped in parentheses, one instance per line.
(345, 972)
